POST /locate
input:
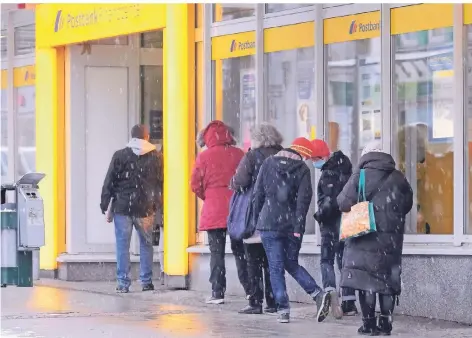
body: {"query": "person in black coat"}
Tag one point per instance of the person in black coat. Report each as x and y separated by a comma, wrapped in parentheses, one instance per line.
(281, 198)
(335, 172)
(134, 183)
(265, 141)
(373, 262)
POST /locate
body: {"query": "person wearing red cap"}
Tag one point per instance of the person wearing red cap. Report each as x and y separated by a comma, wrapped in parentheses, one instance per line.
(336, 168)
(281, 198)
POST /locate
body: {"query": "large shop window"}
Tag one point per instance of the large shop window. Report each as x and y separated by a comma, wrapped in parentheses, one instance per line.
(224, 12)
(26, 127)
(353, 92)
(468, 106)
(4, 130)
(234, 84)
(423, 136)
(289, 74)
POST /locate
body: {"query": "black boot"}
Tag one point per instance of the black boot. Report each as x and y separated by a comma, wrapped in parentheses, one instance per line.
(252, 308)
(385, 325)
(349, 308)
(369, 327)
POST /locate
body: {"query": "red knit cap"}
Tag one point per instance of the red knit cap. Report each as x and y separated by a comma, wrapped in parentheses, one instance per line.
(303, 146)
(320, 148)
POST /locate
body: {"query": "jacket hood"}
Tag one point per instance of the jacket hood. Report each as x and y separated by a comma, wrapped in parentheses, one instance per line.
(377, 160)
(140, 147)
(217, 134)
(338, 161)
(288, 161)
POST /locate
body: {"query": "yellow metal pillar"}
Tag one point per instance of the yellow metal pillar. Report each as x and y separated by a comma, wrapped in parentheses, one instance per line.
(179, 136)
(50, 149)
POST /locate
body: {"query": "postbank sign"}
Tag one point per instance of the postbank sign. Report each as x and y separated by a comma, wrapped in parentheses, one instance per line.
(62, 24)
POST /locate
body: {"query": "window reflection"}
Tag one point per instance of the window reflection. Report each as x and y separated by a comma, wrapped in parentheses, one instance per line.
(234, 95)
(4, 131)
(152, 101)
(272, 8)
(25, 39)
(26, 127)
(354, 97)
(154, 39)
(423, 93)
(223, 12)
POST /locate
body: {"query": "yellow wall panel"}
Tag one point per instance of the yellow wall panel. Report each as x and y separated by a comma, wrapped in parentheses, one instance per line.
(467, 14)
(421, 17)
(233, 46)
(352, 27)
(289, 37)
(4, 79)
(24, 76)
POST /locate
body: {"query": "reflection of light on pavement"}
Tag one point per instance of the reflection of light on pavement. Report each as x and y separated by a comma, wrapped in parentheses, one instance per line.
(11, 334)
(187, 324)
(48, 299)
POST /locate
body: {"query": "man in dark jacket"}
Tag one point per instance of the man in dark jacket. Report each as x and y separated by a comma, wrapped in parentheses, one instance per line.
(335, 172)
(134, 181)
(373, 262)
(282, 196)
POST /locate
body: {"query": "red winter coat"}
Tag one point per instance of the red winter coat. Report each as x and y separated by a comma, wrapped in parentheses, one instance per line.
(212, 173)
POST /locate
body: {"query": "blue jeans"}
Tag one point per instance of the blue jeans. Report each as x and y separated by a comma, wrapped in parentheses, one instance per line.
(332, 248)
(123, 229)
(282, 253)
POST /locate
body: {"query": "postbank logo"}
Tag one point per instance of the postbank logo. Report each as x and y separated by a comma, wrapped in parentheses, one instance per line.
(363, 27)
(84, 18)
(235, 45)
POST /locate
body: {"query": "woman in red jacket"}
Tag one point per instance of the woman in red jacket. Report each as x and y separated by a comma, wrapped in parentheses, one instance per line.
(211, 176)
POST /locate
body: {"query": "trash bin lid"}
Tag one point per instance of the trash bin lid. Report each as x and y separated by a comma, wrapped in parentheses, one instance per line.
(31, 178)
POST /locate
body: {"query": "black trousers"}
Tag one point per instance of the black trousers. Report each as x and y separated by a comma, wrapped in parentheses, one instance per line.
(259, 275)
(368, 300)
(217, 243)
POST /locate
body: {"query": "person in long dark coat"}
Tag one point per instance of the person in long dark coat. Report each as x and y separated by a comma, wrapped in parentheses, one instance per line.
(372, 263)
(265, 141)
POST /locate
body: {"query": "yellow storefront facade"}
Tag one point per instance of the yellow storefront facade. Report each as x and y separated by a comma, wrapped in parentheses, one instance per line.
(345, 73)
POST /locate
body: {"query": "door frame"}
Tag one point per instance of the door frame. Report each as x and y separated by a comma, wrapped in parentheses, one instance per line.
(100, 56)
(146, 57)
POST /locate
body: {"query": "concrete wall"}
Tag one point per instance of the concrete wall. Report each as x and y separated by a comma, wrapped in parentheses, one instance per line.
(437, 287)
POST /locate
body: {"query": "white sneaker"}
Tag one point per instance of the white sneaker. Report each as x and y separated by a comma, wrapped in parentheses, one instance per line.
(214, 300)
(336, 310)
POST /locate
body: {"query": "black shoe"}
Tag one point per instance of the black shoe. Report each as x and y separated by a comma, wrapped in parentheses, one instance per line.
(270, 309)
(385, 325)
(284, 318)
(349, 308)
(368, 328)
(122, 289)
(251, 310)
(148, 287)
(323, 302)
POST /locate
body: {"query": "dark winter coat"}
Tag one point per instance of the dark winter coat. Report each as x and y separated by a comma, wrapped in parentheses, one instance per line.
(134, 180)
(249, 167)
(282, 193)
(334, 175)
(374, 262)
(211, 175)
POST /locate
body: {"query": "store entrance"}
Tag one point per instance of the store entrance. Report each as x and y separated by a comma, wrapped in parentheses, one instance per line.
(115, 83)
